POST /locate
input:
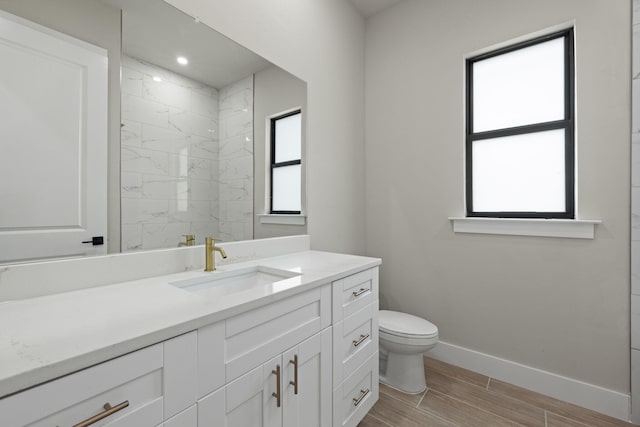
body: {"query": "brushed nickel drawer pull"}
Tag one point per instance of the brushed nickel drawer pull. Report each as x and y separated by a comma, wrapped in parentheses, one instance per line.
(277, 394)
(108, 410)
(360, 292)
(294, 383)
(363, 394)
(361, 340)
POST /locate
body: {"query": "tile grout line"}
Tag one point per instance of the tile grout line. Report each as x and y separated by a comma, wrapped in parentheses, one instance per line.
(472, 406)
(442, 372)
(574, 420)
(422, 398)
(502, 395)
(433, 414)
(545, 419)
(382, 421)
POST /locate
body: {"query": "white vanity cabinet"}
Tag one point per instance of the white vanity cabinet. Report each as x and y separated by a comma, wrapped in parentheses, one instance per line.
(337, 367)
(292, 389)
(355, 347)
(275, 362)
(140, 389)
(309, 359)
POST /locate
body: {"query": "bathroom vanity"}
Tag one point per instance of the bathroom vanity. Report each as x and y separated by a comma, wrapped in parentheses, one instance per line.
(289, 340)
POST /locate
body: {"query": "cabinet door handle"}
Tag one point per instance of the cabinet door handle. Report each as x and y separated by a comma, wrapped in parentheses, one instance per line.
(361, 340)
(277, 394)
(294, 383)
(360, 292)
(363, 394)
(108, 410)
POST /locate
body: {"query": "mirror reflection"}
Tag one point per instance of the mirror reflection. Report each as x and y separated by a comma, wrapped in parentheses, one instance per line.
(193, 129)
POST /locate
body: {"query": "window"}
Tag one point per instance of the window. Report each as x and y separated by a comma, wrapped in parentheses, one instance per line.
(286, 163)
(520, 130)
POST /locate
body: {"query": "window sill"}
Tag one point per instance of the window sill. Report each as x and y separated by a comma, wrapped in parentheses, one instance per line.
(282, 219)
(571, 228)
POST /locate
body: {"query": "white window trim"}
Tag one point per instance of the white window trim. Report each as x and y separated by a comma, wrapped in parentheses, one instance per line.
(569, 228)
(286, 219)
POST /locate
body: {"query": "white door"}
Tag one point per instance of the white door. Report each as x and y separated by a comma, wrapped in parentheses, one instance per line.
(310, 403)
(53, 143)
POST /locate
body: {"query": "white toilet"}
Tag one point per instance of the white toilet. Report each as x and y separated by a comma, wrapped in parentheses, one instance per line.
(403, 339)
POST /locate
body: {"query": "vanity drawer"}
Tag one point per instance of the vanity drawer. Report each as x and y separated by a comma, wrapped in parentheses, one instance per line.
(355, 339)
(151, 384)
(354, 293)
(252, 338)
(356, 395)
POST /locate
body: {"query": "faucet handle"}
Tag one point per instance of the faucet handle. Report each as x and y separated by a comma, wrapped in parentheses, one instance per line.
(189, 240)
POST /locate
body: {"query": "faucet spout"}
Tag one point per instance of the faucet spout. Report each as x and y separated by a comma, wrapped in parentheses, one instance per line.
(221, 250)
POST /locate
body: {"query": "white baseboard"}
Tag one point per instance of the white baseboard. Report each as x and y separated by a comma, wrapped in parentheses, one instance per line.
(599, 399)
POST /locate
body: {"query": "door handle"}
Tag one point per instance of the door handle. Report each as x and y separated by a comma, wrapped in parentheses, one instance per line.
(363, 394)
(108, 410)
(360, 292)
(360, 341)
(277, 393)
(294, 383)
(95, 241)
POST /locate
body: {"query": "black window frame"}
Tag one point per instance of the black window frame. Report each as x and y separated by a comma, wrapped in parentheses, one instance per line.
(568, 124)
(275, 165)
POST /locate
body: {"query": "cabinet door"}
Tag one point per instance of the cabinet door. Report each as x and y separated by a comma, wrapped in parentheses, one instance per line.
(247, 401)
(311, 405)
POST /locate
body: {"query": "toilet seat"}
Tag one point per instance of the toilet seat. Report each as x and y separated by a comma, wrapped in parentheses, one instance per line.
(403, 327)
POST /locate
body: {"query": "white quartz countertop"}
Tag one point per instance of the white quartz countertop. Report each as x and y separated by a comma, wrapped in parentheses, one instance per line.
(46, 337)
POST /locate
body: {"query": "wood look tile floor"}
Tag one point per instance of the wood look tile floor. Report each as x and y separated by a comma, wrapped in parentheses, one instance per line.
(457, 397)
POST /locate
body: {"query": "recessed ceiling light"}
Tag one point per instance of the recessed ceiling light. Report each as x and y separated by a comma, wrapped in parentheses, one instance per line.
(157, 79)
(182, 60)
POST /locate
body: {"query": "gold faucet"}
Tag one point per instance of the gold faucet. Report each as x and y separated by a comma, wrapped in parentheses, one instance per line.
(190, 240)
(210, 256)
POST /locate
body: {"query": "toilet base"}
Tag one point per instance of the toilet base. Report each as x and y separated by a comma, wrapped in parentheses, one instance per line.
(404, 372)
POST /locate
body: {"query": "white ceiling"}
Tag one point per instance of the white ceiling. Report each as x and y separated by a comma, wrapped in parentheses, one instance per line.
(156, 32)
(368, 8)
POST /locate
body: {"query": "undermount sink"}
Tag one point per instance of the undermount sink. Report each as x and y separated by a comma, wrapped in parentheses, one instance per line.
(221, 283)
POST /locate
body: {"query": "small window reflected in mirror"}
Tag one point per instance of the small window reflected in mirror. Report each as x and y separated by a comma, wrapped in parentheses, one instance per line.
(286, 163)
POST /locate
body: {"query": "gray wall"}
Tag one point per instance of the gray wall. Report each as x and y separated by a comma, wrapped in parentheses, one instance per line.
(98, 24)
(635, 218)
(321, 42)
(275, 91)
(561, 305)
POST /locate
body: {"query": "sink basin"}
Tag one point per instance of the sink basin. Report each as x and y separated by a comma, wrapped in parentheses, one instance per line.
(221, 283)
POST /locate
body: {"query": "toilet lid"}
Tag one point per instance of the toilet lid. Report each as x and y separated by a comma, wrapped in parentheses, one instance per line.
(403, 324)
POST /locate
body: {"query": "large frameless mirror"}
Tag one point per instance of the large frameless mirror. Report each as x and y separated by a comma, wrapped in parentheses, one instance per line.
(184, 121)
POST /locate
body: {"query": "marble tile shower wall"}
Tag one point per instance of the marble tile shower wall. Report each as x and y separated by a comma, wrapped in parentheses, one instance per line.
(635, 217)
(169, 160)
(236, 160)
